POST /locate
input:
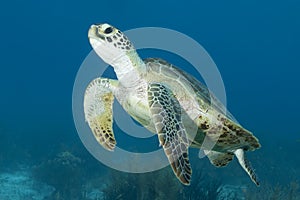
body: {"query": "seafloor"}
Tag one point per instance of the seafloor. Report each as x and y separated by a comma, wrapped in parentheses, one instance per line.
(65, 170)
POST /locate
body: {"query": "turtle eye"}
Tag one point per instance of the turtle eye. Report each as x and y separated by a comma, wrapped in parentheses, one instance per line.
(108, 30)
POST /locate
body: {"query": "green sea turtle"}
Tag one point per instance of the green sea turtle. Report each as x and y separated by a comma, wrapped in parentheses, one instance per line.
(165, 100)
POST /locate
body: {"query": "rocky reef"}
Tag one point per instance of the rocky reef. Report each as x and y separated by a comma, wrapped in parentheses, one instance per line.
(64, 172)
(269, 191)
(159, 185)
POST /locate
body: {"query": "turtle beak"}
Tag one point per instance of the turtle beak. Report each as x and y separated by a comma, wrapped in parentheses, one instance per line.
(94, 34)
(92, 31)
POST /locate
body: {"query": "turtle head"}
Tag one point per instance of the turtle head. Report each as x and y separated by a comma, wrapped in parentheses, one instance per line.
(109, 42)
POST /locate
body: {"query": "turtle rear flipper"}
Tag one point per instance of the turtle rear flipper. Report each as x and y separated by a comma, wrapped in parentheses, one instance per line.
(219, 159)
(166, 116)
(239, 153)
(98, 102)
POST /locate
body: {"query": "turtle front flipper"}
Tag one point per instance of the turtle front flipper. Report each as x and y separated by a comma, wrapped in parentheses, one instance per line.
(98, 102)
(166, 115)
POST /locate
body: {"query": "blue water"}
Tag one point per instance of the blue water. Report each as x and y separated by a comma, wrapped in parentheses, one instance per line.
(255, 45)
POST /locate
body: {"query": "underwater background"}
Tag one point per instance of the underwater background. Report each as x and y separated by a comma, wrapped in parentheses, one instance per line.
(255, 45)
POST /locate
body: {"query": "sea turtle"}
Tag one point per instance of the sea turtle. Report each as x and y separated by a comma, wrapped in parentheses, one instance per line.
(165, 100)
